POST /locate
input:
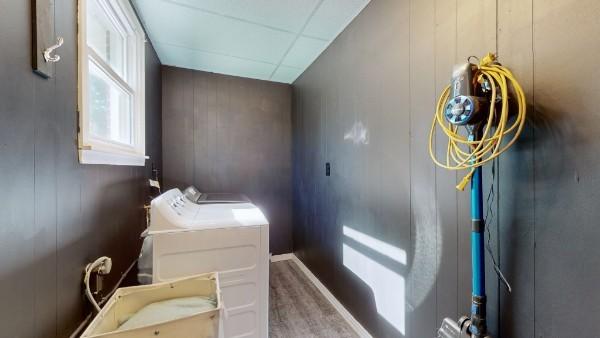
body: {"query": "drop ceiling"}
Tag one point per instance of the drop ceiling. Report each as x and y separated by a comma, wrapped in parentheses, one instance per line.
(272, 40)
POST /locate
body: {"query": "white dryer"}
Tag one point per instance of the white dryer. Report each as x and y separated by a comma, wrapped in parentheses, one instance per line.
(229, 238)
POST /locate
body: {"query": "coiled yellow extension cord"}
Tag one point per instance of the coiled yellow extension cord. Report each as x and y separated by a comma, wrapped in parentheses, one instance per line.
(462, 154)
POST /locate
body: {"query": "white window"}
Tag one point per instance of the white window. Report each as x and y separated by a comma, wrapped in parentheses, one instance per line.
(111, 84)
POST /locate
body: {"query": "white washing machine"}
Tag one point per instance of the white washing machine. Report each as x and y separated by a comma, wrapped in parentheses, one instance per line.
(229, 238)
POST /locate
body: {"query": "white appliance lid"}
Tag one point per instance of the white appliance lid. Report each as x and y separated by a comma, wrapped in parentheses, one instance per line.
(171, 212)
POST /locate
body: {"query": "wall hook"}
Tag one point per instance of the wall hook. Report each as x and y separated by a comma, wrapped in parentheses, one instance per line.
(49, 50)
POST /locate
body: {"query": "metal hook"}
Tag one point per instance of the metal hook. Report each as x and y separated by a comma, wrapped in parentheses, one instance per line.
(473, 57)
(49, 50)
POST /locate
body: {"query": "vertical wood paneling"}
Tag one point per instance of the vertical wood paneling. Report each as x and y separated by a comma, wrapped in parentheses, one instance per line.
(357, 92)
(515, 191)
(384, 71)
(230, 134)
(203, 126)
(424, 220)
(543, 232)
(17, 172)
(57, 215)
(45, 206)
(447, 278)
(73, 238)
(566, 162)
(178, 125)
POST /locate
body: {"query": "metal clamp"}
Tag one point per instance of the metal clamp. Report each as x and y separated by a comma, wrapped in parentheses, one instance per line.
(47, 53)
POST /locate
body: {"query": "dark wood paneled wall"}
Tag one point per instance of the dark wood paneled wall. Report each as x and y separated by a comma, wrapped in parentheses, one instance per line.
(231, 134)
(55, 214)
(382, 76)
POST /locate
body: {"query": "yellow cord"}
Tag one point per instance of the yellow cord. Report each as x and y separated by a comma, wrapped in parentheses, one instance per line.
(462, 154)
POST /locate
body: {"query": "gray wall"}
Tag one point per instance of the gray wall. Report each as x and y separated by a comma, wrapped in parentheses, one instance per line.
(385, 72)
(55, 214)
(229, 134)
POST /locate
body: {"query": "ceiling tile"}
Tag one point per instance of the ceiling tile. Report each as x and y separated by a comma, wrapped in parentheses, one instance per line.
(288, 15)
(332, 17)
(264, 39)
(210, 62)
(304, 52)
(286, 74)
(170, 23)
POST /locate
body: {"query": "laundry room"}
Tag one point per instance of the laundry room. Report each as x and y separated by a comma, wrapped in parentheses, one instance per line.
(299, 168)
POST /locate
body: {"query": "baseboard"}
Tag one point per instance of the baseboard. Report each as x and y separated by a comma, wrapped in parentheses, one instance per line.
(354, 324)
(282, 257)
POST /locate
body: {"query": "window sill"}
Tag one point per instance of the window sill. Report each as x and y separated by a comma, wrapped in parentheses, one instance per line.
(88, 156)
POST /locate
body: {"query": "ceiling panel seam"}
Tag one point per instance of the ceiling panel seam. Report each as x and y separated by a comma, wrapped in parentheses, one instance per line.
(312, 14)
(207, 11)
(160, 42)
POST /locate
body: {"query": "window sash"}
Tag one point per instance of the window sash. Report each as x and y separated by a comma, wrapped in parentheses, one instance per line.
(132, 83)
(123, 28)
(114, 83)
(109, 71)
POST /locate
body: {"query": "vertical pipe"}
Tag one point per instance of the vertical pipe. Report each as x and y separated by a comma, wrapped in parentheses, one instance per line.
(478, 299)
(477, 238)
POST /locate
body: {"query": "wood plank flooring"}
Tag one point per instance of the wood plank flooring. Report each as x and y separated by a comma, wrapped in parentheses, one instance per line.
(298, 309)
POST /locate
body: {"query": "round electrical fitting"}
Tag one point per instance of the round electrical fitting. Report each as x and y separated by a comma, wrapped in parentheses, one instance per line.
(460, 110)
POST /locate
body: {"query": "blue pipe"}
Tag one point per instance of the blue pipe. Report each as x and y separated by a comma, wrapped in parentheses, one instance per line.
(478, 312)
(477, 238)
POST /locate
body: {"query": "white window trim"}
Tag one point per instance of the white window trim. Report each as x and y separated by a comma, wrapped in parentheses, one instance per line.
(97, 151)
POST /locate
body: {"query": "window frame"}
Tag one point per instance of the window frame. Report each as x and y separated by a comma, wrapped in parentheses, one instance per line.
(95, 150)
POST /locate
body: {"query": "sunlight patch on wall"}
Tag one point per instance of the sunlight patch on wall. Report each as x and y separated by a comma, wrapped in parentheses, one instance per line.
(383, 248)
(388, 286)
(358, 134)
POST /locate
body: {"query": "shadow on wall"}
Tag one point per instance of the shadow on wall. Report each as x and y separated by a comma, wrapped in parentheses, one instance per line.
(555, 133)
(551, 134)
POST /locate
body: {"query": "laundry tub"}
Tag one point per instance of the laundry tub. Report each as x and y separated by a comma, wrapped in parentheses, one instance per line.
(169, 309)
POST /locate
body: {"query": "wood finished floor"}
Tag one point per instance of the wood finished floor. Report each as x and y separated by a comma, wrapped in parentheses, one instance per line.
(298, 309)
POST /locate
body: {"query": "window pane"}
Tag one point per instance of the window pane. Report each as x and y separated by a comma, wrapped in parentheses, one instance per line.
(110, 110)
(104, 37)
